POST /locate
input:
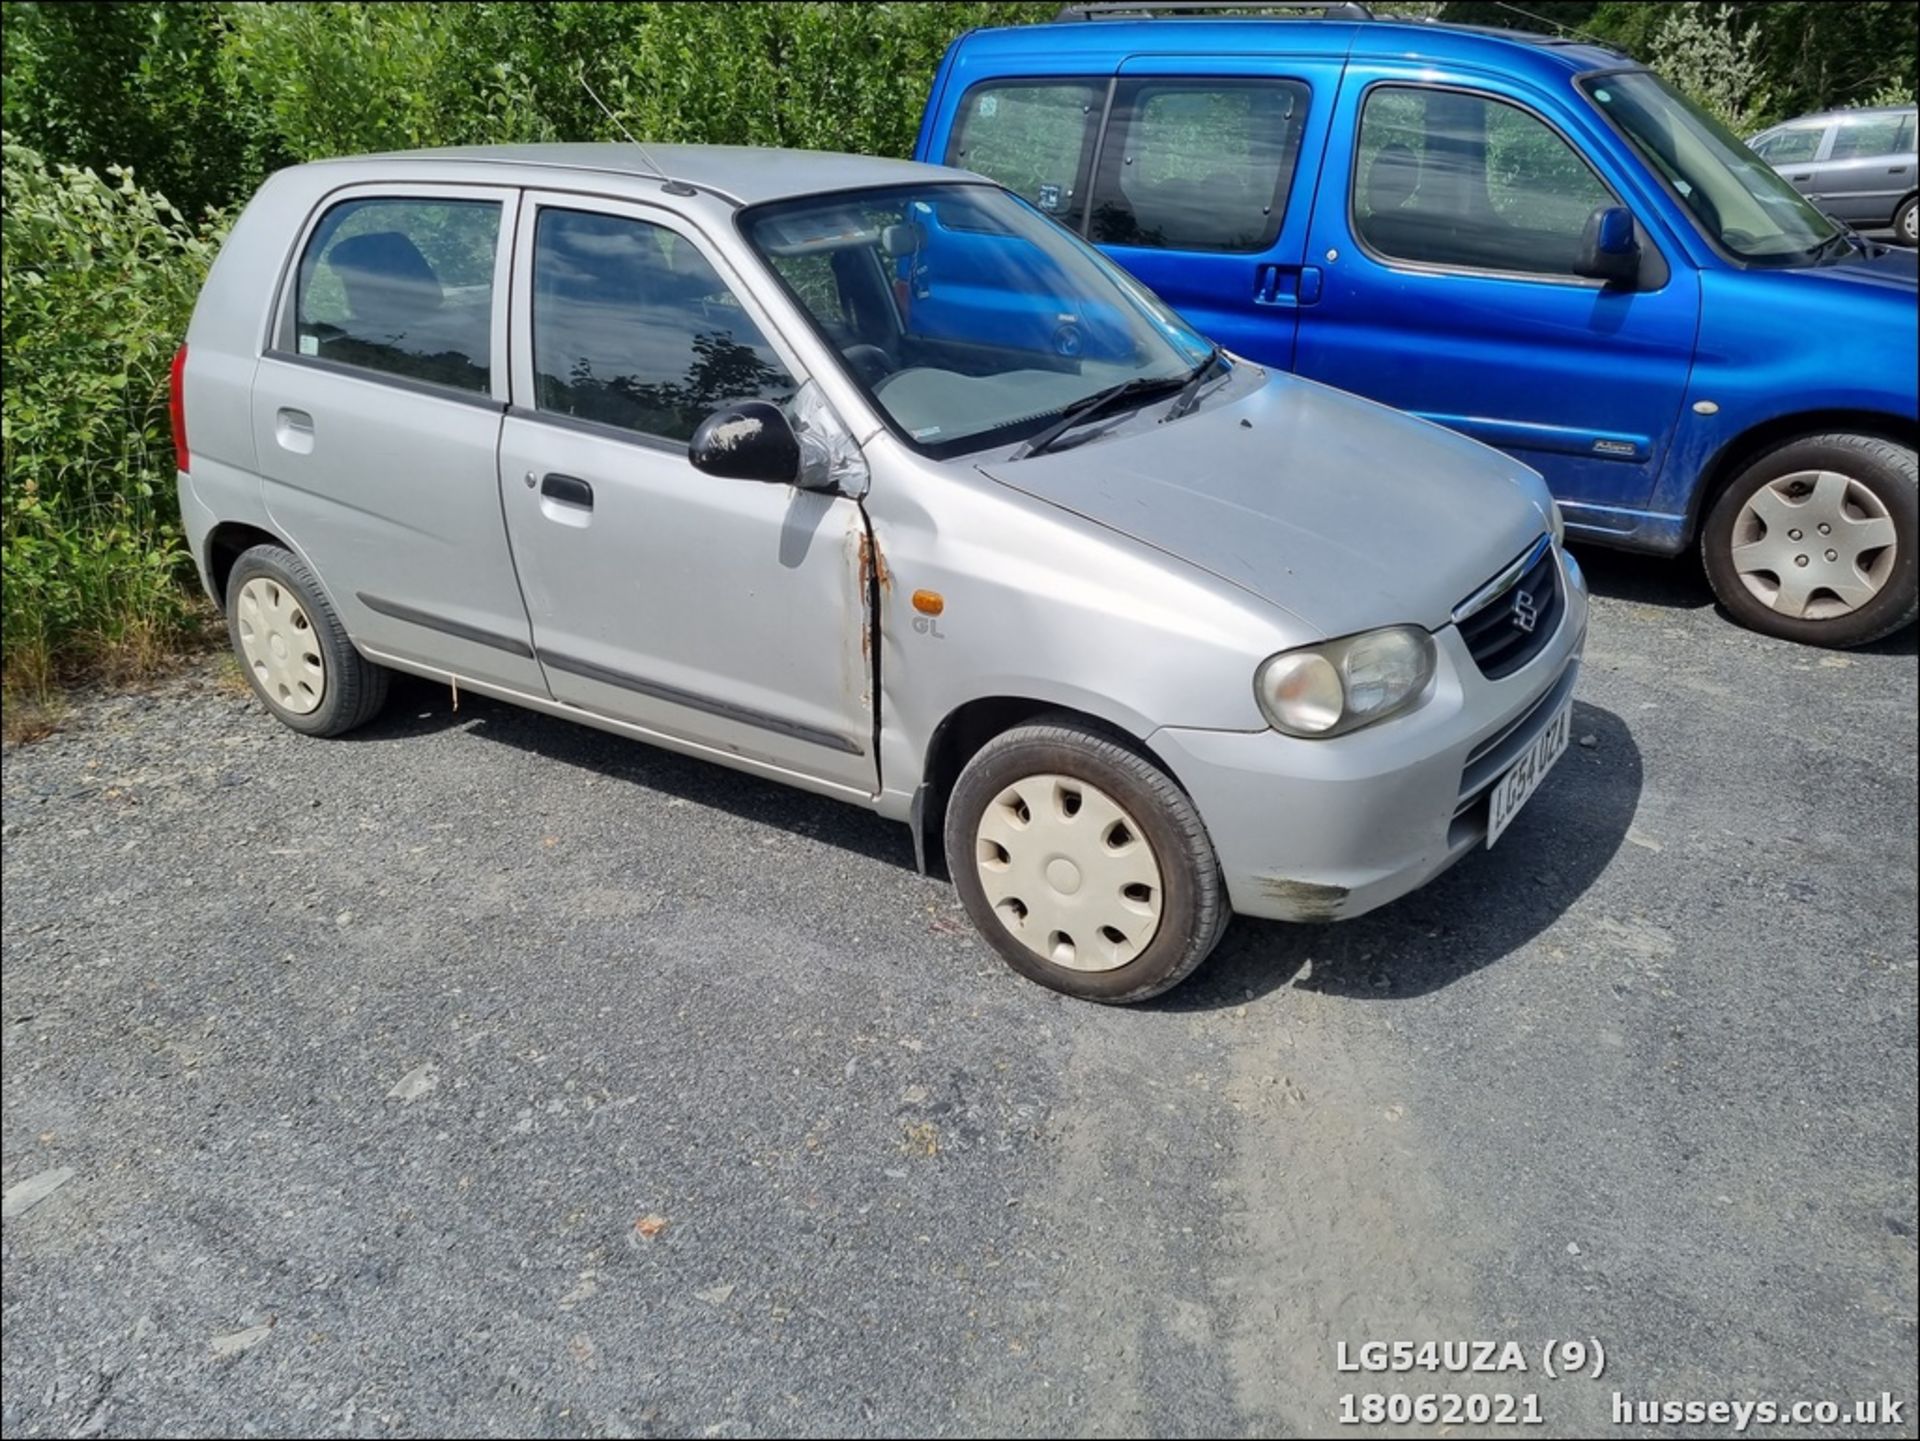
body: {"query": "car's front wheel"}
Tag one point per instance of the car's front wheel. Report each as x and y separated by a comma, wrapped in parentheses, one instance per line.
(1083, 864)
(1816, 540)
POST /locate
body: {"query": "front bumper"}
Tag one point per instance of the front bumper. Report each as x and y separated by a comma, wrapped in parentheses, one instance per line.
(1320, 830)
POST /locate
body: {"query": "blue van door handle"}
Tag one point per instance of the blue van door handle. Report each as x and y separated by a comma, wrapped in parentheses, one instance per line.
(1286, 285)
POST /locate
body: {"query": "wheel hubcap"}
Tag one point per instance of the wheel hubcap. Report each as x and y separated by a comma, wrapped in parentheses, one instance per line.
(280, 647)
(1814, 545)
(1069, 873)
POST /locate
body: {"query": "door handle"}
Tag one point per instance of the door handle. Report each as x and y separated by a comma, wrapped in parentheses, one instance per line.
(293, 429)
(1807, 176)
(1896, 170)
(568, 490)
(1286, 285)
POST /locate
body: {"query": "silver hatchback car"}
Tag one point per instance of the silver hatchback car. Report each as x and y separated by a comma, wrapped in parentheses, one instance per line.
(867, 477)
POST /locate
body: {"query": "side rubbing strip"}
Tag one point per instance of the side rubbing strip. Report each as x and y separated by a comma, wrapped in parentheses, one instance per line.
(449, 627)
(726, 710)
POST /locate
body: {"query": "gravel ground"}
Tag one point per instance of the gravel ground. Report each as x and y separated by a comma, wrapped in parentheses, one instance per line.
(485, 1074)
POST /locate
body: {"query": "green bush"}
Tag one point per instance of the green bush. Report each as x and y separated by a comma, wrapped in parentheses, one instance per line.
(97, 281)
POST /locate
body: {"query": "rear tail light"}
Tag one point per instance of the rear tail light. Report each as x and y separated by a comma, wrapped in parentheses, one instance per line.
(177, 409)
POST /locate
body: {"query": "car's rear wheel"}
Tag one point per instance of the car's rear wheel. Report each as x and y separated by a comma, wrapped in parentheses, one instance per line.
(1083, 864)
(293, 649)
(1906, 221)
(1816, 540)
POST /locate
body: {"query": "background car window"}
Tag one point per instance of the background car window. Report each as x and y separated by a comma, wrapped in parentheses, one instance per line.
(1908, 127)
(1034, 138)
(1785, 147)
(403, 287)
(1444, 178)
(632, 327)
(1859, 136)
(1198, 165)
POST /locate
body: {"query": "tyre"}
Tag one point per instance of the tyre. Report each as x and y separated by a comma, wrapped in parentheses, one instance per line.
(1082, 863)
(292, 647)
(1906, 221)
(1816, 540)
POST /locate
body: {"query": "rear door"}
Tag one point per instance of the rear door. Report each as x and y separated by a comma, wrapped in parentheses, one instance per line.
(1199, 189)
(727, 616)
(1866, 174)
(376, 417)
(1449, 216)
(1193, 171)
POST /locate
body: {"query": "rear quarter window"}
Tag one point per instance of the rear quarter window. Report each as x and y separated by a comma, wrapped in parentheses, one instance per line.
(1034, 137)
(402, 287)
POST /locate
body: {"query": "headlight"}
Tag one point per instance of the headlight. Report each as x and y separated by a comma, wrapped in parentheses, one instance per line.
(1559, 524)
(1341, 685)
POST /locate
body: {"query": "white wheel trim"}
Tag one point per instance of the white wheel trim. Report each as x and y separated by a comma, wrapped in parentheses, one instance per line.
(280, 647)
(1069, 873)
(1814, 545)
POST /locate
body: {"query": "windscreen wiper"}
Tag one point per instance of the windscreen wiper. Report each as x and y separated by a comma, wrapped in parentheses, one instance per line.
(1093, 406)
(1189, 395)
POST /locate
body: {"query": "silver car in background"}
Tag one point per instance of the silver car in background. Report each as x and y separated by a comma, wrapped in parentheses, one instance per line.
(1858, 166)
(866, 477)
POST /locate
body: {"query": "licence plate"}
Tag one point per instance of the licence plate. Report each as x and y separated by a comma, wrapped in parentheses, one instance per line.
(1513, 789)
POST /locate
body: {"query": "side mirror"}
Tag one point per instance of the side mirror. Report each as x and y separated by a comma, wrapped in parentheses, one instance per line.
(1609, 247)
(749, 441)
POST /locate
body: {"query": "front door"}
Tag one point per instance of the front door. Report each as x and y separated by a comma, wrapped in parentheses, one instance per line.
(723, 615)
(1448, 222)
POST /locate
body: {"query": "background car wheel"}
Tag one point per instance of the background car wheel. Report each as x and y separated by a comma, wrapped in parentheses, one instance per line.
(294, 652)
(1906, 221)
(1815, 541)
(1083, 864)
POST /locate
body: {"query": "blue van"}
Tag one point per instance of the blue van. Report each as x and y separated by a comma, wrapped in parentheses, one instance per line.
(1533, 241)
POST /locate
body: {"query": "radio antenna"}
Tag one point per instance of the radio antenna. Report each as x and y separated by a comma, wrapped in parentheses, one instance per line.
(651, 164)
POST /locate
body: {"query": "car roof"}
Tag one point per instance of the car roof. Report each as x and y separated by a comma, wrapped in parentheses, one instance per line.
(1180, 33)
(743, 174)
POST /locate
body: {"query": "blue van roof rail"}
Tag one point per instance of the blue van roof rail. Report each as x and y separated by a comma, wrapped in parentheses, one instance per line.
(1210, 9)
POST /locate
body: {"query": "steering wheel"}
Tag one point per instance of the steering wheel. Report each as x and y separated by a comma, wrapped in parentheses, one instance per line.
(870, 362)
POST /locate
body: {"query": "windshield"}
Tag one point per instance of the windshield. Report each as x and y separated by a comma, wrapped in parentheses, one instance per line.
(1736, 197)
(969, 317)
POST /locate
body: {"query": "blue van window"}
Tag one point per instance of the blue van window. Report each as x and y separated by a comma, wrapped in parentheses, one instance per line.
(1445, 178)
(1033, 136)
(403, 287)
(1198, 164)
(633, 328)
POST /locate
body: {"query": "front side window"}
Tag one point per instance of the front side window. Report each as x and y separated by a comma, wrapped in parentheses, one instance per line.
(969, 317)
(1463, 181)
(1034, 137)
(1199, 164)
(402, 287)
(1796, 145)
(1741, 203)
(632, 327)
(1859, 137)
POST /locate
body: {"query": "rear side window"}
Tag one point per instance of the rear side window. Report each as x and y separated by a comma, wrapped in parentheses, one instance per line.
(1198, 165)
(402, 287)
(1466, 182)
(1785, 147)
(633, 328)
(1864, 136)
(1035, 138)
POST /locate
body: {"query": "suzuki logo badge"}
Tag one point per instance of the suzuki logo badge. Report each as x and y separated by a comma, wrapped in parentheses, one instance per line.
(1526, 615)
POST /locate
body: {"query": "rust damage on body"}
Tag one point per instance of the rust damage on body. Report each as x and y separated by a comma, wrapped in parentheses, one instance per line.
(874, 582)
(1305, 900)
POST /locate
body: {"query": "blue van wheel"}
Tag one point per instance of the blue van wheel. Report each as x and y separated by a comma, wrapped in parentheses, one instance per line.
(1815, 541)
